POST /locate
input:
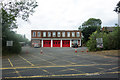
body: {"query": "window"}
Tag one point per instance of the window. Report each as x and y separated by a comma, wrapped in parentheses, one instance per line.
(68, 34)
(39, 34)
(58, 34)
(63, 34)
(49, 34)
(73, 34)
(54, 34)
(34, 34)
(78, 34)
(44, 34)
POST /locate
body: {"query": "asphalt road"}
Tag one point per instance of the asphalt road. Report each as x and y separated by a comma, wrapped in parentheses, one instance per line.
(59, 63)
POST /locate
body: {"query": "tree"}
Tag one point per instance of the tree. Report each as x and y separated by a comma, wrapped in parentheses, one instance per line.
(92, 22)
(90, 26)
(110, 41)
(10, 12)
(117, 8)
(17, 9)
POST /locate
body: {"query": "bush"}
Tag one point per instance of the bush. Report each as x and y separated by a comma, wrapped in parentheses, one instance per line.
(91, 44)
(16, 48)
(110, 41)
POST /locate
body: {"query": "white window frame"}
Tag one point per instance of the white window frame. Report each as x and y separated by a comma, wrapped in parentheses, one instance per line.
(78, 35)
(44, 34)
(39, 34)
(49, 34)
(63, 34)
(34, 34)
(58, 34)
(73, 34)
(54, 34)
(68, 34)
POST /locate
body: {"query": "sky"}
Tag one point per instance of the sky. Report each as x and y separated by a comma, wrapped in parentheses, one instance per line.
(68, 15)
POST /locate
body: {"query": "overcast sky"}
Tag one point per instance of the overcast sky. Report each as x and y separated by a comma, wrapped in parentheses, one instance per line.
(68, 15)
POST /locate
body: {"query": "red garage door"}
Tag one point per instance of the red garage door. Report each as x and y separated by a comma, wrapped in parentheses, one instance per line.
(56, 43)
(46, 43)
(66, 43)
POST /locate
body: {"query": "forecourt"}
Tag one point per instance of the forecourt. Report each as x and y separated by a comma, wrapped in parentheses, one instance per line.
(59, 62)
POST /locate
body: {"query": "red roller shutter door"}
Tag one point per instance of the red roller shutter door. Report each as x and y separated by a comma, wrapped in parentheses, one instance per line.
(66, 43)
(46, 43)
(56, 43)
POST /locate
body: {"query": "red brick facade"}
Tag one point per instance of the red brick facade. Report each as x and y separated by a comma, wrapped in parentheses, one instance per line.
(55, 38)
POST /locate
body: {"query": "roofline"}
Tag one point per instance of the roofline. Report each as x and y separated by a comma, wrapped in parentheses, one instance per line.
(55, 30)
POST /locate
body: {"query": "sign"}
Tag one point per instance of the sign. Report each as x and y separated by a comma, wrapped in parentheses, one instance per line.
(99, 42)
(9, 43)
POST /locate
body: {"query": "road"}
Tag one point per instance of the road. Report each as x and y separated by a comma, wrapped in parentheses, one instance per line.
(59, 63)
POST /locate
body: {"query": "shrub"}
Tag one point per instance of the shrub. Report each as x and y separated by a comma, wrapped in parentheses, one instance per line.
(110, 41)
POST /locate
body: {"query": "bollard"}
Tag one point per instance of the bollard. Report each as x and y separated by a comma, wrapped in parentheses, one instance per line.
(41, 52)
(75, 50)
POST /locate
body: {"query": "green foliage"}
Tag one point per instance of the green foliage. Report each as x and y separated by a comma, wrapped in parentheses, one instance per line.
(20, 8)
(91, 44)
(10, 36)
(10, 12)
(87, 32)
(110, 41)
(117, 8)
(90, 26)
(92, 22)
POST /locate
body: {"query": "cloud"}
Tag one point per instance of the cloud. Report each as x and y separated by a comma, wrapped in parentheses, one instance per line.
(68, 14)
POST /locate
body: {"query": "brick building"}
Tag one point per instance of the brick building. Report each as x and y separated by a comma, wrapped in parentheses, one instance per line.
(55, 38)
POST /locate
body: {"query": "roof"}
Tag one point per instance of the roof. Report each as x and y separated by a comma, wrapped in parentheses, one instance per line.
(108, 28)
(55, 30)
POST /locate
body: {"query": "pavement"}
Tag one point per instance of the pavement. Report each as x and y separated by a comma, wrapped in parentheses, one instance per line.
(59, 63)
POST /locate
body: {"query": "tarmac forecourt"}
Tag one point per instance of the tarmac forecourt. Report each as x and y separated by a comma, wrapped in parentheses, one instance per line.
(61, 64)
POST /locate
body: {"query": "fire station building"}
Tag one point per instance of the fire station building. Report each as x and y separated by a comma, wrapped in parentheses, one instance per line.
(55, 38)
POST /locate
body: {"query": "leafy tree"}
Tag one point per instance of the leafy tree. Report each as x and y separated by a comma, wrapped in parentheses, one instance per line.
(91, 44)
(87, 32)
(110, 41)
(10, 12)
(90, 26)
(17, 9)
(117, 8)
(92, 22)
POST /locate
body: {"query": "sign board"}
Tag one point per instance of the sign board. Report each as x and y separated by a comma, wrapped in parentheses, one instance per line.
(9, 43)
(99, 42)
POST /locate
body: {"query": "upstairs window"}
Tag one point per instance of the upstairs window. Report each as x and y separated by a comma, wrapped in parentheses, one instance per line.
(39, 34)
(63, 34)
(58, 34)
(68, 34)
(44, 34)
(34, 34)
(54, 34)
(73, 34)
(49, 34)
(78, 34)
